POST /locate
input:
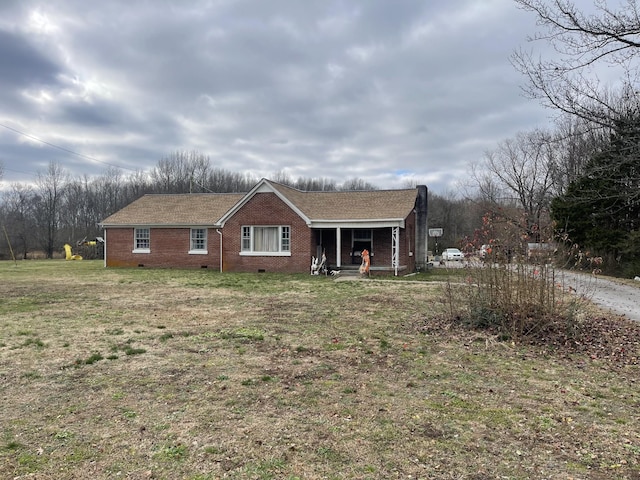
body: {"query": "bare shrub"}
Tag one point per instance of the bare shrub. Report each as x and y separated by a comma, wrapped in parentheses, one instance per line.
(517, 301)
(515, 290)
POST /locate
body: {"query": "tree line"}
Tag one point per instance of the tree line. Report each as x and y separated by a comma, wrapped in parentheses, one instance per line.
(58, 208)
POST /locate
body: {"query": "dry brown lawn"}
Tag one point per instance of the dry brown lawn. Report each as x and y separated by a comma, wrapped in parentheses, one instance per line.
(166, 374)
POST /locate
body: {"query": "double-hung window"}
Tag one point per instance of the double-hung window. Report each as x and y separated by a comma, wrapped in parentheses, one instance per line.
(198, 242)
(267, 240)
(142, 240)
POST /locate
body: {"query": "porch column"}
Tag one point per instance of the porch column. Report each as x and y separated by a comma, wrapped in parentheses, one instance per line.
(338, 249)
(394, 250)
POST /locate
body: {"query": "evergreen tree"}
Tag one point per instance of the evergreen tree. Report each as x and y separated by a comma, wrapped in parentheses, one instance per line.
(601, 208)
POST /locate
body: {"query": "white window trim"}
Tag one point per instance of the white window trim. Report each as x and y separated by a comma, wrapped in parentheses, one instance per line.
(265, 254)
(135, 241)
(252, 253)
(198, 251)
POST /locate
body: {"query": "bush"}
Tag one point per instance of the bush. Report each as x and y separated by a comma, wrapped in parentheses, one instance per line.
(516, 301)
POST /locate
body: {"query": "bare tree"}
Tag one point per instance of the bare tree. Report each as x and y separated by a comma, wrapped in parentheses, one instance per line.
(575, 141)
(283, 178)
(583, 42)
(198, 170)
(181, 172)
(517, 180)
(321, 184)
(137, 184)
(356, 184)
(106, 196)
(306, 184)
(225, 181)
(75, 209)
(18, 218)
(48, 201)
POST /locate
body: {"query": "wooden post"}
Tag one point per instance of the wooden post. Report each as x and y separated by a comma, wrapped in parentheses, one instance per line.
(9, 243)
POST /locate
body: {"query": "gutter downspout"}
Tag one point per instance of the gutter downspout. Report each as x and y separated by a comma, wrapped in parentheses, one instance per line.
(104, 248)
(220, 233)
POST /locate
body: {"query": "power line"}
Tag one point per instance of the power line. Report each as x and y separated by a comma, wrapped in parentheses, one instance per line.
(81, 155)
(16, 171)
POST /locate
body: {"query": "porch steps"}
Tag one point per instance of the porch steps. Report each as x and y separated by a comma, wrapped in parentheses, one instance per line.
(349, 271)
(353, 271)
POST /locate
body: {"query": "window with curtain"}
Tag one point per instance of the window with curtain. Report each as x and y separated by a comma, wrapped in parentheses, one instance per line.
(270, 240)
(265, 239)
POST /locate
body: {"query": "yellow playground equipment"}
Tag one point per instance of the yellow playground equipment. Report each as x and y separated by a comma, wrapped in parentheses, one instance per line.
(84, 242)
(69, 253)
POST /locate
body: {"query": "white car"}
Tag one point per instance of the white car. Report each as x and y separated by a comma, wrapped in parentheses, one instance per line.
(452, 254)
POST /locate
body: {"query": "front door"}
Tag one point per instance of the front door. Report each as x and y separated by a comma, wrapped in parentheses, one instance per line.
(361, 238)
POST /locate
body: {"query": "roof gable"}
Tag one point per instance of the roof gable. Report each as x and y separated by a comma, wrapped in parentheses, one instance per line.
(263, 186)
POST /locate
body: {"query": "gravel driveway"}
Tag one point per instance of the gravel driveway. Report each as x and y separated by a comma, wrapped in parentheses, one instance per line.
(619, 298)
(616, 297)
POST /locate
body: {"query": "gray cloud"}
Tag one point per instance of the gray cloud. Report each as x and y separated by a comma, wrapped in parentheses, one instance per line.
(380, 90)
(22, 63)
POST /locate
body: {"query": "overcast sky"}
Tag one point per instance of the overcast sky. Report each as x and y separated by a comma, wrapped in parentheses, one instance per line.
(389, 91)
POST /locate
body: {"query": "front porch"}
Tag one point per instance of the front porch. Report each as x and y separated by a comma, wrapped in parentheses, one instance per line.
(343, 246)
(355, 270)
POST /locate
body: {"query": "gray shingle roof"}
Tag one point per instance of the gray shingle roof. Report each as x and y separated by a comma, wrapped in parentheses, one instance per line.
(208, 208)
(351, 205)
(172, 209)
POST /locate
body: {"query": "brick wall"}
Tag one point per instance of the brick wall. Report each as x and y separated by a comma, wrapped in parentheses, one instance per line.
(265, 209)
(408, 239)
(169, 248)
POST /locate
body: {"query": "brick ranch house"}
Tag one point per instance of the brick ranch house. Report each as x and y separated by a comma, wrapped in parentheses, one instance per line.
(272, 228)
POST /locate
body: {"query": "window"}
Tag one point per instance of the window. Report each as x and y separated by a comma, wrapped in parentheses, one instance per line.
(286, 240)
(362, 235)
(362, 238)
(246, 239)
(142, 240)
(198, 240)
(266, 240)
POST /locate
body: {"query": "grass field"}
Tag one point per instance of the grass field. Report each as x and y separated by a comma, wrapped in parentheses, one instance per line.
(167, 374)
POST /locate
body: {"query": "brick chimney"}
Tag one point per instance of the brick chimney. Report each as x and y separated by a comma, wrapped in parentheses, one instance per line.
(421, 228)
